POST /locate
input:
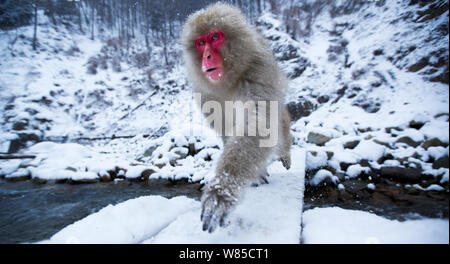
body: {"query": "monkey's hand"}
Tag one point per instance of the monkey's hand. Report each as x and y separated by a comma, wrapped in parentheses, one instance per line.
(217, 202)
(286, 161)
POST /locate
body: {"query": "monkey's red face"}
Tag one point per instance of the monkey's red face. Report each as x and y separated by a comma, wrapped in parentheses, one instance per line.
(208, 45)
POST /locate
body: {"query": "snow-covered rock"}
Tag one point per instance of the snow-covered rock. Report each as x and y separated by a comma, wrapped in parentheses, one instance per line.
(335, 225)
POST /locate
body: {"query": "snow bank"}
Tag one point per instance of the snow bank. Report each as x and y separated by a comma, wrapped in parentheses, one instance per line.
(432, 187)
(128, 222)
(9, 166)
(67, 161)
(436, 129)
(188, 152)
(354, 171)
(321, 175)
(369, 150)
(437, 152)
(370, 186)
(339, 226)
(315, 159)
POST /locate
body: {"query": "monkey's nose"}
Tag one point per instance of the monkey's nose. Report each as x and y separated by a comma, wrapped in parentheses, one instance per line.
(207, 52)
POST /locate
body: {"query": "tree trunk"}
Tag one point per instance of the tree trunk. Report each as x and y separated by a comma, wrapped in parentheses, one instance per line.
(273, 6)
(35, 27)
(92, 22)
(7, 156)
(164, 39)
(80, 21)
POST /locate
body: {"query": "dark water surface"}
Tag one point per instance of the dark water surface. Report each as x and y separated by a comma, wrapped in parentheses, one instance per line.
(31, 212)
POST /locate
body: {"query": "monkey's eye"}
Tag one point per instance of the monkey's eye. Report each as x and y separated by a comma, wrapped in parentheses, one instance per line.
(214, 37)
(201, 42)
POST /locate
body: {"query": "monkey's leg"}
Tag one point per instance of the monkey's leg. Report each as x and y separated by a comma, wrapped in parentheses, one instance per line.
(285, 152)
(239, 166)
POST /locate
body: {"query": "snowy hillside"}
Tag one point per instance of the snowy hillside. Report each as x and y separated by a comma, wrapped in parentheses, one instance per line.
(352, 88)
(378, 113)
(368, 96)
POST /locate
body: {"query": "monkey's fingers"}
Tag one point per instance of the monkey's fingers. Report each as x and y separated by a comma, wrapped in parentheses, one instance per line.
(261, 179)
(210, 219)
(213, 213)
(265, 178)
(286, 161)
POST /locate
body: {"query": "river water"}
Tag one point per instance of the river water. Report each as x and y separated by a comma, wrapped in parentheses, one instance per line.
(31, 212)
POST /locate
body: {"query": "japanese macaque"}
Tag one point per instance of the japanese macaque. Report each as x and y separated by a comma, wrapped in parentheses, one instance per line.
(227, 60)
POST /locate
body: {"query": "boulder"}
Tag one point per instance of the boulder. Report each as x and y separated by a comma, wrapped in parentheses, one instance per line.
(407, 140)
(192, 149)
(80, 181)
(105, 177)
(148, 152)
(300, 109)
(393, 130)
(416, 124)
(399, 174)
(20, 125)
(146, 173)
(22, 174)
(433, 142)
(441, 162)
(323, 99)
(182, 152)
(379, 142)
(351, 144)
(317, 139)
(22, 140)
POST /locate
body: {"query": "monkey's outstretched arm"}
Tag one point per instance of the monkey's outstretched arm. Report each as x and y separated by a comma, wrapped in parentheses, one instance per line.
(241, 162)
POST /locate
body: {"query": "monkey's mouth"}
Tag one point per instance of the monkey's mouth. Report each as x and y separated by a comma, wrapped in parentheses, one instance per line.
(214, 73)
(212, 69)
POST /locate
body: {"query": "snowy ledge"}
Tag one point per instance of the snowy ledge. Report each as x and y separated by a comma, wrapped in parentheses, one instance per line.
(335, 225)
(270, 213)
